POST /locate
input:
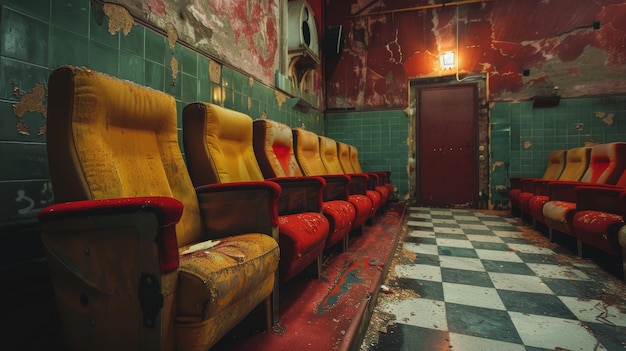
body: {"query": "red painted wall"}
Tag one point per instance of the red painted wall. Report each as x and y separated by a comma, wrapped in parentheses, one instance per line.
(553, 39)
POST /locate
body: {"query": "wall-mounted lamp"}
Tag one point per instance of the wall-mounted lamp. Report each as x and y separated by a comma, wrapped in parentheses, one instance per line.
(446, 60)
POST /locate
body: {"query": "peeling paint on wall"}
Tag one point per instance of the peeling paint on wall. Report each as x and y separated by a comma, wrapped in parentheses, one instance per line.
(280, 98)
(174, 67)
(215, 72)
(607, 118)
(496, 164)
(242, 33)
(172, 35)
(119, 19)
(30, 102)
(555, 41)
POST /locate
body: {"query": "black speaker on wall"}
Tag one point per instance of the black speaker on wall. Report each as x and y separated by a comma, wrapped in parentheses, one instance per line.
(333, 41)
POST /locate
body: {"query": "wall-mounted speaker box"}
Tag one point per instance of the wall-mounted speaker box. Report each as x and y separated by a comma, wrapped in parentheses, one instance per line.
(302, 30)
(333, 41)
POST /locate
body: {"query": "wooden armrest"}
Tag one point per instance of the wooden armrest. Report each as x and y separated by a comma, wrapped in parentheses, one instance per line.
(299, 194)
(237, 208)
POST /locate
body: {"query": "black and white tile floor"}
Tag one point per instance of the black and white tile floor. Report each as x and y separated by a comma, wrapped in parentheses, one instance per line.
(482, 283)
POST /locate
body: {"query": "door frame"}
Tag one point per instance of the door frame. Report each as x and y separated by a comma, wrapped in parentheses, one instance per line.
(481, 136)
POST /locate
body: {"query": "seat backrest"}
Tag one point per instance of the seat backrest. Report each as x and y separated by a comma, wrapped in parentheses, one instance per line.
(218, 145)
(110, 138)
(354, 159)
(273, 147)
(576, 163)
(328, 151)
(307, 150)
(343, 152)
(556, 164)
(606, 164)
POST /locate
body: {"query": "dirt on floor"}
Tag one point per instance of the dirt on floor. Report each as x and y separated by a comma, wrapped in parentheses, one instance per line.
(389, 292)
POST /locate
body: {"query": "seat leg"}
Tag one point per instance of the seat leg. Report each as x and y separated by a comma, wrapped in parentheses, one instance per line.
(271, 306)
(345, 242)
(579, 246)
(624, 263)
(314, 270)
(550, 235)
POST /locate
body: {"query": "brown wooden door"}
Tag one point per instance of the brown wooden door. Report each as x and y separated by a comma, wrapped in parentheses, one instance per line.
(446, 136)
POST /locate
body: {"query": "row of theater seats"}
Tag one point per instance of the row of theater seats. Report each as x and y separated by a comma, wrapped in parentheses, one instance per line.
(150, 251)
(581, 194)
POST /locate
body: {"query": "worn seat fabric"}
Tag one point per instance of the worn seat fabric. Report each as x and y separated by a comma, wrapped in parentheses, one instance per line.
(556, 164)
(219, 149)
(127, 214)
(606, 165)
(576, 164)
(375, 181)
(307, 151)
(356, 166)
(330, 160)
(273, 147)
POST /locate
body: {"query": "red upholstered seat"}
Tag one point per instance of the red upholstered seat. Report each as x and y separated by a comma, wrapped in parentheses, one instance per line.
(384, 176)
(606, 166)
(330, 160)
(556, 164)
(218, 146)
(376, 180)
(576, 164)
(307, 151)
(273, 147)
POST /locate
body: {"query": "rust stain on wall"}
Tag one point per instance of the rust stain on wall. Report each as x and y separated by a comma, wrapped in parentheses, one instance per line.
(527, 144)
(30, 102)
(119, 19)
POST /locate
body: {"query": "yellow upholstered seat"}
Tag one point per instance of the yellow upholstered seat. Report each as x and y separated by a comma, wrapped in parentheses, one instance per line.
(218, 146)
(139, 260)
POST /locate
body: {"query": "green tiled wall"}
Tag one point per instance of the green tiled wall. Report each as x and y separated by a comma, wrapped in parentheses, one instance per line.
(380, 137)
(522, 137)
(41, 35)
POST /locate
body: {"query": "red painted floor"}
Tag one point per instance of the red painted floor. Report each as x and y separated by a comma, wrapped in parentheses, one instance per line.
(330, 313)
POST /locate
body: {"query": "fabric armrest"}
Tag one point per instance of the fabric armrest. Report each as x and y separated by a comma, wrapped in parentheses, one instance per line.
(563, 190)
(599, 198)
(113, 215)
(359, 183)
(299, 194)
(337, 187)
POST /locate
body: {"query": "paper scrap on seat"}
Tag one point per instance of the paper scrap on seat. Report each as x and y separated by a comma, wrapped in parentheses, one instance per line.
(201, 246)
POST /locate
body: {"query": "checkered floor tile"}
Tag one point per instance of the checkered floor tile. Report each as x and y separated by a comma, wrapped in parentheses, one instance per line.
(480, 283)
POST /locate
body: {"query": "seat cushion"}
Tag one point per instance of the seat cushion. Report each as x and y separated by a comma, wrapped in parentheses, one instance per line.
(384, 192)
(340, 215)
(513, 194)
(535, 207)
(302, 239)
(558, 215)
(212, 279)
(522, 201)
(375, 197)
(598, 229)
(364, 209)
